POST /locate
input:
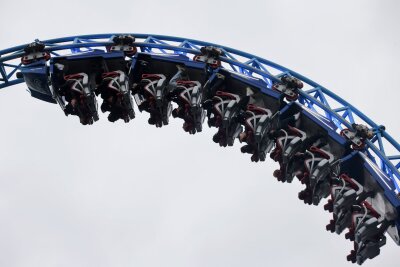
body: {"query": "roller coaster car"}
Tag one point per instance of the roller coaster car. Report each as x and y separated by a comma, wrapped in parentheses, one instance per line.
(258, 123)
(291, 142)
(367, 231)
(74, 79)
(260, 100)
(228, 95)
(363, 199)
(159, 79)
(384, 200)
(115, 92)
(289, 87)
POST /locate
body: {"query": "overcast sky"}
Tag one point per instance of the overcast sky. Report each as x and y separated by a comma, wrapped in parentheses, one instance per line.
(116, 195)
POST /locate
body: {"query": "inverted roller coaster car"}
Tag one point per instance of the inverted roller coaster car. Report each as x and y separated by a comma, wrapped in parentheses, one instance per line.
(378, 189)
(229, 96)
(363, 200)
(159, 79)
(367, 231)
(291, 142)
(75, 79)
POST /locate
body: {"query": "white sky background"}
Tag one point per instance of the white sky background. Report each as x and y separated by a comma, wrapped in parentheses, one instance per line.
(132, 195)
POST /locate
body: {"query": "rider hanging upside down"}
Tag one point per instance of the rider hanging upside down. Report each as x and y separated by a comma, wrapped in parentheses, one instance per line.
(114, 90)
(187, 95)
(258, 123)
(74, 92)
(152, 94)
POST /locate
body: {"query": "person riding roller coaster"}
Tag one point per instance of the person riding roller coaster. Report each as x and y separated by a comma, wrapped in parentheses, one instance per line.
(152, 92)
(73, 91)
(112, 92)
(188, 95)
(290, 145)
(258, 123)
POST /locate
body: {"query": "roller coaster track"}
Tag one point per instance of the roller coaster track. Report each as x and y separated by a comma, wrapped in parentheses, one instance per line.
(379, 150)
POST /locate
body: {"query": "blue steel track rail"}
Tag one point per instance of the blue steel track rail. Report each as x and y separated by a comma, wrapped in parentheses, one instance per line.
(382, 149)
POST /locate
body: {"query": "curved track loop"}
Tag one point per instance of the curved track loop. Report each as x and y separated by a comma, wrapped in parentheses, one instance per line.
(315, 136)
(382, 149)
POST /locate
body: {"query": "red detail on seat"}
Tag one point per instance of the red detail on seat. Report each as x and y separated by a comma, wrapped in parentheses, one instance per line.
(319, 151)
(295, 131)
(371, 209)
(252, 107)
(110, 74)
(149, 76)
(73, 76)
(349, 180)
(182, 82)
(229, 95)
